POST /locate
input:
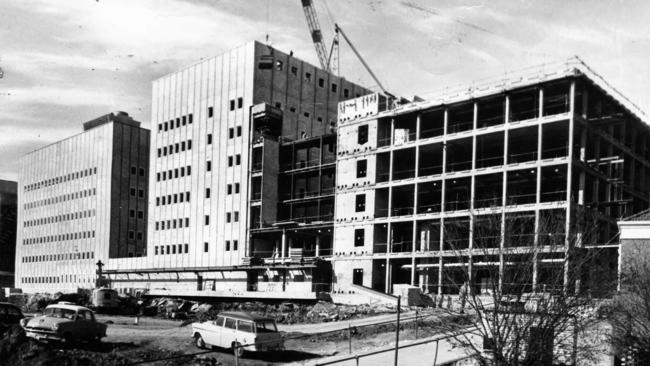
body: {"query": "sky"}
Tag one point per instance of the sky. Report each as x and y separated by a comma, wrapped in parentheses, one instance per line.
(67, 62)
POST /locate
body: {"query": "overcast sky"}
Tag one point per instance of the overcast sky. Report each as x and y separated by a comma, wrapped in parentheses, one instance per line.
(66, 62)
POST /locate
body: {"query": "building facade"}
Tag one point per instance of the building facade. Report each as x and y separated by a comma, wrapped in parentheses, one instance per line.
(82, 200)
(420, 185)
(8, 213)
(206, 169)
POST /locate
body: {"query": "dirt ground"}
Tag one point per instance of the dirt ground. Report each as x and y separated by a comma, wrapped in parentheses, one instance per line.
(155, 339)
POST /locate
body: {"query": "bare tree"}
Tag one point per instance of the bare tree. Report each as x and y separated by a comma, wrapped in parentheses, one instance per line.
(629, 313)
(526, 294)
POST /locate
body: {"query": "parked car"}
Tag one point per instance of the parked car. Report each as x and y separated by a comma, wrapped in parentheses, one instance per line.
(65, 322)
(9, 315)
(239, 331)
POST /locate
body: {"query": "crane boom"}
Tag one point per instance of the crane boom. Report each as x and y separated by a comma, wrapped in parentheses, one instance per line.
(316, 34)
(374, 77)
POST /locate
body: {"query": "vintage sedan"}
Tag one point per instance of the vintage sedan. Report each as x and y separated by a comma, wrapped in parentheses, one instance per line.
(239, 331)
(65, 323)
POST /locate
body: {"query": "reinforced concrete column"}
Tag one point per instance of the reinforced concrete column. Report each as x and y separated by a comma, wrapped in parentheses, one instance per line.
(389, 233)
(415, 203)
(442, 201)
(317, 251)
(570, 166)
(504, 191)
(472, 196)
(284, 243)
(538, 199)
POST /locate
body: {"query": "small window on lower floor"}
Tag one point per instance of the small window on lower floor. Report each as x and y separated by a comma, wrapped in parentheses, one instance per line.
(359, 237)
(205, 247)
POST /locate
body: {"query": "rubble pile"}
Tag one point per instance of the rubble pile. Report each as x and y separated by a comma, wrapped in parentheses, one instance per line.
(283, 313)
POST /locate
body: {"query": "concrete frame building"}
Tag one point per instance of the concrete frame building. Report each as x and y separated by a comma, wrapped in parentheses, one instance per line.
(224, 131)
(82, 200)
(8, 214)
(492, 159)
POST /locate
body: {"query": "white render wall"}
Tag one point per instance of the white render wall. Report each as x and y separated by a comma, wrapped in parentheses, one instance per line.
(210, 83)
(88, 150)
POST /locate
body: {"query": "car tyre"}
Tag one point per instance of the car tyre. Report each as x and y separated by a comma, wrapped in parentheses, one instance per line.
(198, 340)
(238, 350)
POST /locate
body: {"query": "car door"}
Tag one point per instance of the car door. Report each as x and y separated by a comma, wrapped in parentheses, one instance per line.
(229, 332)
(213, 330)
(81, 327)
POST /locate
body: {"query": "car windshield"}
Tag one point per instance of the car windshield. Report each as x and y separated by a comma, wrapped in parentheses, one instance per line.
(265, 327)
(59, 313)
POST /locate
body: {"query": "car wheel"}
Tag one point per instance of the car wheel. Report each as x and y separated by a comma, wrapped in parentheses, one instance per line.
(198, 340)
(238, 350)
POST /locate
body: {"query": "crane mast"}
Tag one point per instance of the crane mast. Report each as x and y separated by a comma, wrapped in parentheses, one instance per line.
(316, 33)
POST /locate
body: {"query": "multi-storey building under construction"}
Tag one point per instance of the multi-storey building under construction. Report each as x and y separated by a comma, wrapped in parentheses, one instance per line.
(418, 182)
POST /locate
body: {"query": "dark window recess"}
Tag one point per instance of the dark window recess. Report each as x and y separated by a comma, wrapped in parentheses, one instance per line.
(235, 244)
(308, 77)
(231, 133)
(236, 188)
(228, 217)
(209, 138)
(184, 120)
(134, 170)
(294, 70)
(208, 166)
(321, 82)
(207, 219)
(205, 247)
(362, 168)
(362, 134)
(227, 245)
(210, 112)
(207, 193)
(141, 171)
(189, 144)
(230, 160)
(359, 237)
(238, 131)
(229, 189)
(334, 88)
(240, 102)
(346, 93)
(190, 117)
(238, 159)
(232, 104)
(360, 204)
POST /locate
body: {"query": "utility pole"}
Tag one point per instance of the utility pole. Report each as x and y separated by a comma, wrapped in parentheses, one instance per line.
(399, 309)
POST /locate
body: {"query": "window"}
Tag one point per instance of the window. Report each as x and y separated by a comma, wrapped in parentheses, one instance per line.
(227, 245)
(229, 189)
(278, 65)
(362, 167)
(131, 213)
(189, 144)
(235, 244)
(362, 134)
(182, 171)
(140, 235)
(207, 219)
(334, 88)
(178, 122)
(207, 193)
(171, 124)
(236, 188)
(238, 131)
(132, 192)
(131, 234)
(159, 152)
(187, 248)
(359, 237)
(321, 82)
(346, 93)
(189, 170)
(231, 133)
(208, 165)
(209, 139)
(210, 112)
(190, 117)
(360, 205)
(187, 196)
(133, 170)
(294, 70)
(238, 159)
(228, 217)
(184, 120)
(308, 77)
(141, 214)
(176, 173)
(205, 247)
(230, 160)
(230, 323)
(232, 104)
(178, 147)
(165, 126)
(240, 102)
(141, 193)
(156, 250)
(236, 216)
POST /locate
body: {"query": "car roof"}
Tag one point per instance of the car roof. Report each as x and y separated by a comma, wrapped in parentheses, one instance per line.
(67, 306)
(242, 315)
(9, 305)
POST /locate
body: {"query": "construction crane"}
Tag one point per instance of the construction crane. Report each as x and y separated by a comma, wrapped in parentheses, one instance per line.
(319, 43)
(316, 33)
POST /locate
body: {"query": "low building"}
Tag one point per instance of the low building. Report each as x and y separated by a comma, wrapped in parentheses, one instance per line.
(81, 201)
(8, 213)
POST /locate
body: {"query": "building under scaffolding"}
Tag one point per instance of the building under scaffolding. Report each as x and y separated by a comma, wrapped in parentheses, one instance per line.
(417, 183)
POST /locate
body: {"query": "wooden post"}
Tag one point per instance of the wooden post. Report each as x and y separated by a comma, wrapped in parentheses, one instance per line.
(399, 307)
